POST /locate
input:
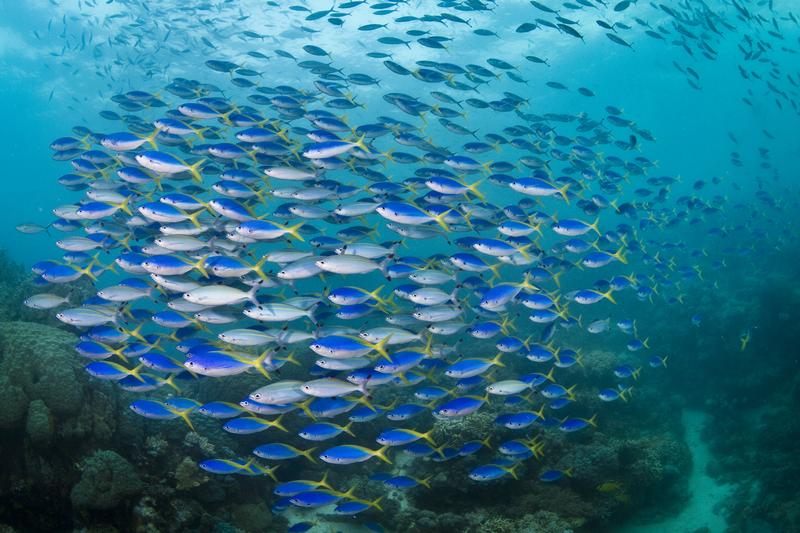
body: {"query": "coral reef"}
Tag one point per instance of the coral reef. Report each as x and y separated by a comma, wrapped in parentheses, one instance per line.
(15, 286)
(468, 428)
(39, 363)
(188, 475)
(39, 424)
(107, 479)
(488, 521)
(146, 473)
(78, 458)
(252, 517)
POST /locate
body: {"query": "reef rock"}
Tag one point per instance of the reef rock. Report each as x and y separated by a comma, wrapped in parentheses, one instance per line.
(106, 480)
(39, 425)
(40, 362)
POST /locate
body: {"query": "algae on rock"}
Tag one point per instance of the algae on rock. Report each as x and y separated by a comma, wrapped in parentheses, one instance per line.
(107, 479)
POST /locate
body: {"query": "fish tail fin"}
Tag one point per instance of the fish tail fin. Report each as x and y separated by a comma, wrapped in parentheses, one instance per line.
(619, 257)
(570, 392)
(427, 437)
(593, 420)
(277, 424)
(523, 251)
(538, 450)
(87, 270)
(133, 332)
(170, 380)
(258, 364)
(85, 141)
(496, 361)
(251, 294)
(124, 205)
(311, 314)
(365, 398)
(526, 284)
(271, 473)
(185, 416)
(135, 372)
(324, 481)
(623, 392)
(376, 503)
(346, 429)
(116, 351)
(664, 361)
(349, 494)
(513, 471)
(507, 324)
(260, 195)
(428, 349)
(440, 449)
(259, 266)
(440, 220)
(307, 454)
(568, 472)
(563, 192)
(226, 117)
(388, 155)
(495, 271)
(151, 139)
(376, 296)
(194, 216)
(250, 462)
(291, 359)
(487, 442)
(549, 374)
(473, 188)
(609, 296)
(200, 265)
(360, 144)
(595, 225)
(304, 406)
(194, 169)
(381, 454)
(199, 133)
(380, 346)
(294, 231)
(390, 303)
(636, 373)
(281, 133)
(432, 404)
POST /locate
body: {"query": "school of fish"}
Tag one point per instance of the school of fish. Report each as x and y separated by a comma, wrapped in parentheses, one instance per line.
(442, 251)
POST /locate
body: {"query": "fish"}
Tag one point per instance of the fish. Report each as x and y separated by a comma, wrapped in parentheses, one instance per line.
(376, 240)
(550, 476)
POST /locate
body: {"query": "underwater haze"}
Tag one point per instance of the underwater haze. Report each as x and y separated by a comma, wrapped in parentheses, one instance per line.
(405, 266)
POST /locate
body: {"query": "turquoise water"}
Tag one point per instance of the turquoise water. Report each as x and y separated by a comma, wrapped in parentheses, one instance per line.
(705, 440)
